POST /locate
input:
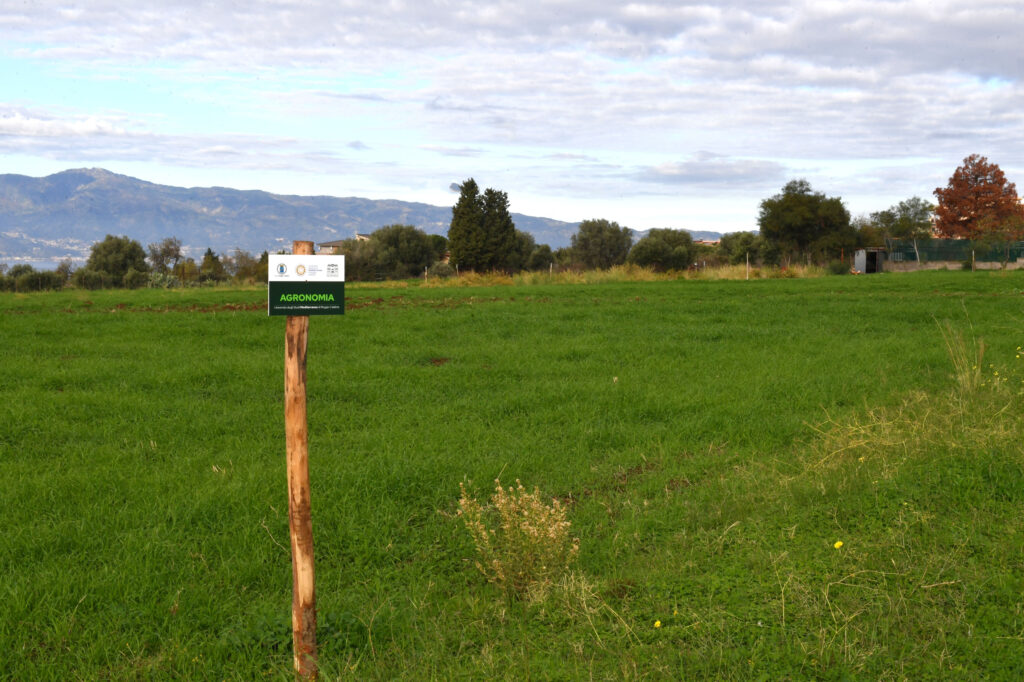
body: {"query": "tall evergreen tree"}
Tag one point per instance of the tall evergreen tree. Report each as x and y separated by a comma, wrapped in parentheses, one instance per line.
(482, 235)
(499, 230)
(466, 232)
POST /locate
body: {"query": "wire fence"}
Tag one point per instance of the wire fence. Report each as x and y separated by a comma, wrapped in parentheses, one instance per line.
(961, 250)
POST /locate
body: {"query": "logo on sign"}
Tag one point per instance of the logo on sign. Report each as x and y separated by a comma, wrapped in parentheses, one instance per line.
(332, 270)
(300, 270)
(282, 269)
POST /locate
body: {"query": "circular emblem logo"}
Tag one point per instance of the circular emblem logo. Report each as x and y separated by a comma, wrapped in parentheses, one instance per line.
(282, 268)
(300, 270)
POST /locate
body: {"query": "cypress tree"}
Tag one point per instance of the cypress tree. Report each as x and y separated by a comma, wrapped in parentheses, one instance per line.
(466, 232)
(499, 230)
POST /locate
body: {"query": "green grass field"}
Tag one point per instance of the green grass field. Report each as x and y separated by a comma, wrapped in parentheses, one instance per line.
(713, 441)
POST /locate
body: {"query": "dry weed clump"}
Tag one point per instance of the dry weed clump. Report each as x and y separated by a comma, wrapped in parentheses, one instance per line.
(522, 543)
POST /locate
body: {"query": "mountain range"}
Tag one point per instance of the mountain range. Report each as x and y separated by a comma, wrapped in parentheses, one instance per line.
(44, 220)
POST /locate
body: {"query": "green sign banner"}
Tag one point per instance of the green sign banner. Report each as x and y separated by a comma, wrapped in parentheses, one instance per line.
(306, 298)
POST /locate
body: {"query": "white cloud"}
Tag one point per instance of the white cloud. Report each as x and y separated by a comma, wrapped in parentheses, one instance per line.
(711, 169)
(22, 123)
(623, 95)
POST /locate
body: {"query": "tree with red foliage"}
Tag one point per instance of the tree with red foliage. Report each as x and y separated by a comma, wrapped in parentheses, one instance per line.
(977, 202)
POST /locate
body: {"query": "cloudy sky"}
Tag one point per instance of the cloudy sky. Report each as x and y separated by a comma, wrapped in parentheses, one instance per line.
(653, 114)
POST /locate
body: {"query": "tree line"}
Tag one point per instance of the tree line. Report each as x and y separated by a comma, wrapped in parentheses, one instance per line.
(977, 203)
(797, 224)
(121, 262)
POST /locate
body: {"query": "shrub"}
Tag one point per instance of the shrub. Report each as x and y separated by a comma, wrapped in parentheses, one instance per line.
(135, 279)
(782, 273)
(87, 278)
(23, 278)
(838, 267)
(442, 270)
(522, 544)
(163, 280)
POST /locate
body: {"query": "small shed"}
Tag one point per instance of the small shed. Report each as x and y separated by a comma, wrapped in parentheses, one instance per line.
(869, 260)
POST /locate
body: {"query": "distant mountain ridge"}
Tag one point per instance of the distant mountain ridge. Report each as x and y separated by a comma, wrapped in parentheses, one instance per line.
(43, 220)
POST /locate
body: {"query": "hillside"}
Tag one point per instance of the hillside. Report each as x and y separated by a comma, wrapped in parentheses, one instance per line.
(43, 220)
(62, 215)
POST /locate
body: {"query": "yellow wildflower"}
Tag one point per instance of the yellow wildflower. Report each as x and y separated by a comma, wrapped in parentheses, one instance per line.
(839, 543)
(657, 623)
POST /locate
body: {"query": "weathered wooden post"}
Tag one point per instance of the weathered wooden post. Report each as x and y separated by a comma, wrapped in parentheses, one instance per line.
(301, 285)
(300, 520)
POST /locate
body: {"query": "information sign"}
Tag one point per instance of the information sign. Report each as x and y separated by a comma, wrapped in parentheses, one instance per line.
(306, 285)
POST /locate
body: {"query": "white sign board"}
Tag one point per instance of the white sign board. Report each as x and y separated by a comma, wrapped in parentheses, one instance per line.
(289, 268)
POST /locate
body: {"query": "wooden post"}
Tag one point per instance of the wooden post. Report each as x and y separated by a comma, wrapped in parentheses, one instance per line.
(299, 518)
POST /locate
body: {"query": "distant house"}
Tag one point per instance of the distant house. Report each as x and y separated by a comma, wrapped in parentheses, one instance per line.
(333, 247)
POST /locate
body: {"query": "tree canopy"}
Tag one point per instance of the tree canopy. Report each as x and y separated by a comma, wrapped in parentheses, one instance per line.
(910, 219)
(801, 221)
(391, 252)
(601, 244)
(116, 262)
(211, 269)
(164, 255)
(736, 247)
(242, 266)
(663, 249)
(976, 201)
(403, 251)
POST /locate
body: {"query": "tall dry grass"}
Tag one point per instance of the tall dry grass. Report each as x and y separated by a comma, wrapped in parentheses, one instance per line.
(470, 279)
(627, 273)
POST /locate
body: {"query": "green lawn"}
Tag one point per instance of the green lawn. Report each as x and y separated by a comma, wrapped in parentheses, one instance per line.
(712, 440)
